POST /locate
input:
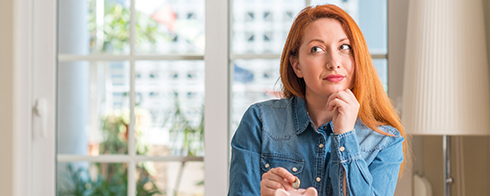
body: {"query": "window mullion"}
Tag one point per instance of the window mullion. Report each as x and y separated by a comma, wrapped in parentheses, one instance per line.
(131, 141)
(109, 57)
(216, 97)
(121, 158)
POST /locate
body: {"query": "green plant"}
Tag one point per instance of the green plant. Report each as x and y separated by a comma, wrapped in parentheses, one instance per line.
(193, 136)
(111, 179)
(116, 29)
(80, 183)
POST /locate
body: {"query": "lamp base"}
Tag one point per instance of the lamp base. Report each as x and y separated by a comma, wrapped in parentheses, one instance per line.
(446, 150)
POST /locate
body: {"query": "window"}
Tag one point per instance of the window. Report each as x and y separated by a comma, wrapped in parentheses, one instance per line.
(131, 97)
(129, 72)
(259, 30)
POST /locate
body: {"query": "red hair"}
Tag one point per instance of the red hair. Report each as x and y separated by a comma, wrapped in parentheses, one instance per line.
(375, 106)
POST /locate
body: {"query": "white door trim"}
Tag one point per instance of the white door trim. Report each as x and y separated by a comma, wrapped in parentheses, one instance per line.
(22, 36)
(43, 173)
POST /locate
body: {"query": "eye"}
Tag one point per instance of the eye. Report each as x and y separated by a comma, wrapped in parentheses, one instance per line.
(344, 47)
(316, 49)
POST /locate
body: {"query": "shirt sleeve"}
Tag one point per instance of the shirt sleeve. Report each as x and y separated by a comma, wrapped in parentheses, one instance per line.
(378, 178)
(245, 175)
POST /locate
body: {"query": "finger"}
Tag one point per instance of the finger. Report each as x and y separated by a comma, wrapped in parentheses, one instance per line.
(351, 95)
(352, 99)
(346, 96)
(283, 173)
(337, 103)
(330, 98)
(272, 185)
(265, 191)
(269, 176)
(271, 182)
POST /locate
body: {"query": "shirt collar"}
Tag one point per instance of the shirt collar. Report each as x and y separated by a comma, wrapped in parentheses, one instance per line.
(301, 117)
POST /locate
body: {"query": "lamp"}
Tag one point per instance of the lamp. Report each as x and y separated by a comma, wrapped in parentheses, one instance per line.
(446, 83)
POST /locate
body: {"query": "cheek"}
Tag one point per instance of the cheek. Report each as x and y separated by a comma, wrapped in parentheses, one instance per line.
(350, 67)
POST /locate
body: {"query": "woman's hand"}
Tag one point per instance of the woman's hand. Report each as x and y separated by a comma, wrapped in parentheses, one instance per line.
(276, 178)
(346, 108)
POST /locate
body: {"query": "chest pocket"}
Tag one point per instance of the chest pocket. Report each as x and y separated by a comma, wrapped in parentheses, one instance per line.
(269, 161)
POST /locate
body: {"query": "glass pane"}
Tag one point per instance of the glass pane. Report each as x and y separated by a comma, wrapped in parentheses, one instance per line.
(382, 68)
(170, 178)
(170, 108)
(93, 27)
(175, 27)
(253, 81)
(84, 178)
(93, 107)
(371, 16)
(262, 26)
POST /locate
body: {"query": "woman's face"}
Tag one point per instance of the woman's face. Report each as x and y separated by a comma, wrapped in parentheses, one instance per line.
(325, 59)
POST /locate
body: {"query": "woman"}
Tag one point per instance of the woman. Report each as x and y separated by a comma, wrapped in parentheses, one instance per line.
(335, 130)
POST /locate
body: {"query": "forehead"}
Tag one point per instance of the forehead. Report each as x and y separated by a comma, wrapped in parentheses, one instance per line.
(326, 29)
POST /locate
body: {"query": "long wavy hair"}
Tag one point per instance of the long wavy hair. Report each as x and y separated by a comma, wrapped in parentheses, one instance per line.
(375, 106)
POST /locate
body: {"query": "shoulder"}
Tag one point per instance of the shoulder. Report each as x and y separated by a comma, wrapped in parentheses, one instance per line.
(276, 117)
(264, 110)
(271, 107)
(370, 140)
(274, 103)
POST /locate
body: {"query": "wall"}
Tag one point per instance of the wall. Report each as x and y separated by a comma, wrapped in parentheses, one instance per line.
(473, 159)
(6, 96)
(397, 27)
(474, 149)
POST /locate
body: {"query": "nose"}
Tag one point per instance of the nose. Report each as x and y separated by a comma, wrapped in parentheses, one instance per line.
(333, 65)
(333, 62)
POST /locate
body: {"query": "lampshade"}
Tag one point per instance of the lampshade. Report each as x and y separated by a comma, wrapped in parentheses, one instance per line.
(446, 82)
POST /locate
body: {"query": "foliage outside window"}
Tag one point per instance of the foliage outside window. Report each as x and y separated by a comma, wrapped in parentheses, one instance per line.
(112, 178)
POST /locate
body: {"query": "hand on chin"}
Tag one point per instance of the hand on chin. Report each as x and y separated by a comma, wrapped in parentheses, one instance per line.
(345, 107)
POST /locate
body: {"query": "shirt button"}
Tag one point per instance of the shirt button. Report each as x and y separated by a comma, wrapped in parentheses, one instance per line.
(320, 146)
(267, 165)
(318, 179)
(295, 169)
(342, 149)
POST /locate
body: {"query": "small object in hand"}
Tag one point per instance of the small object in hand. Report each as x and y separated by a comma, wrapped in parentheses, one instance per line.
(296, 183)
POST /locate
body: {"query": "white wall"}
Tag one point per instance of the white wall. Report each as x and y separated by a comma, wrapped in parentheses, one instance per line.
(6, 96)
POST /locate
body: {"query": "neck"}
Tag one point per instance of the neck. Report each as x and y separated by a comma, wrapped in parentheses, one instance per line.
(318, 110)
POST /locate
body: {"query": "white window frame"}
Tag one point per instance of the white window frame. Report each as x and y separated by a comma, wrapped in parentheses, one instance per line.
(215, 112)
(43, 69)
(39, 67)
(43, 159)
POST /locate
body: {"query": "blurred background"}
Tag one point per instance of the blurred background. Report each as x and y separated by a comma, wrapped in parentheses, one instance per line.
(129, 85)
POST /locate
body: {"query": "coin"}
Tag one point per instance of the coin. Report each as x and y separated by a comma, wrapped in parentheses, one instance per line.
(296, 183)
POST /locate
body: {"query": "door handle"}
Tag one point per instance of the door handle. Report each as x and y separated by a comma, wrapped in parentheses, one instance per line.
(41, 110)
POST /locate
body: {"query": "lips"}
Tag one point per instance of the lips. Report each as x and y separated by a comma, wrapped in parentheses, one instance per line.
(334, 78)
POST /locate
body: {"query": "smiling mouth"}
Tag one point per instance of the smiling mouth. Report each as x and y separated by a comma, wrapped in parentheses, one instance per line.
(334, 78)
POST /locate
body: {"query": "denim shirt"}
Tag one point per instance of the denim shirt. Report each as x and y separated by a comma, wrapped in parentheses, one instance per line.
(279, 133)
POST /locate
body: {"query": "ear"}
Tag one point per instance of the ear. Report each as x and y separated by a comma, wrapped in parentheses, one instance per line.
(281, 192)
(296, 67)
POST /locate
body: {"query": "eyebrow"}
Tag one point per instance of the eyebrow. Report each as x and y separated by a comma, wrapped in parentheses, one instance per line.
(343, 39)
(319, 40)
